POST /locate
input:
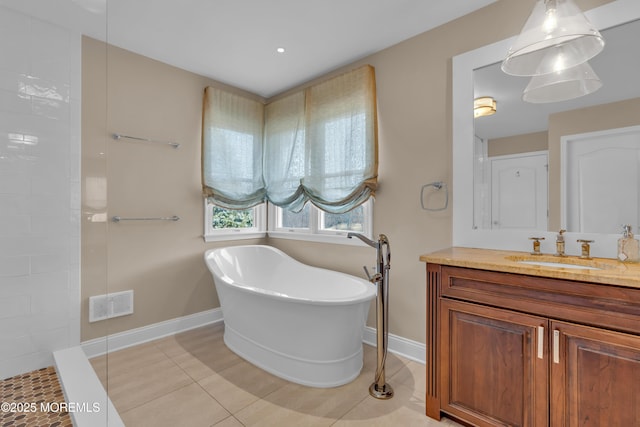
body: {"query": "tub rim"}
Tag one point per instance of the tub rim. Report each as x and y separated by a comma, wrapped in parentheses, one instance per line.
(370, 290)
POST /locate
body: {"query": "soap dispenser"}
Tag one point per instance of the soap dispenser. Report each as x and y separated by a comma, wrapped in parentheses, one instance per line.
(628, 246)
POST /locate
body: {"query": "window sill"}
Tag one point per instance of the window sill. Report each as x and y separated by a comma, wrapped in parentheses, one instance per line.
(338, 238)
(234, 236)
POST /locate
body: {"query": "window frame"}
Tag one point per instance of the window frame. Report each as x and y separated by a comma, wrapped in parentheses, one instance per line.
(259, 229)
(315, 233)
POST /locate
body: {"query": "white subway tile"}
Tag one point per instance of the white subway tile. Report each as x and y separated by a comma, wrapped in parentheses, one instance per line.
(50, 263)
(18, 183)
(14, 204)
(13, 266)
(12, 101)
(50, 339)
(49, 52)
(50, 303)
(11, 80)
(53, 184)
(50, 108)
(14, 226)
(55, 223)
(14, 31)
(39, 191)
(53, 203)
(25, 363)
(49, 283)
(14, 346)
(15, 246)
(15, 306)
(11, 286)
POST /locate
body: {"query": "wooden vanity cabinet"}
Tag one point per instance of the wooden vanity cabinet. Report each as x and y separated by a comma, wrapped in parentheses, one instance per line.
(514, 350)
(596, 380)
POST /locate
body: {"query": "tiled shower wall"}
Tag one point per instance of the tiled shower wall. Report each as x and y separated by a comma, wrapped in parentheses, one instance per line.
(39, 192)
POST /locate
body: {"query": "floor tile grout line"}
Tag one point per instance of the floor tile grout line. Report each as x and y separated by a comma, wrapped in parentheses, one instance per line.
(152, 400)
(158, 397)
(216, 400)
(350, 409)
(196, 381)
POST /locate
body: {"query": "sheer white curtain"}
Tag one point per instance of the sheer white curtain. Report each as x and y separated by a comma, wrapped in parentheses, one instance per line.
(232, 149)
(319, 145)
(284, 151)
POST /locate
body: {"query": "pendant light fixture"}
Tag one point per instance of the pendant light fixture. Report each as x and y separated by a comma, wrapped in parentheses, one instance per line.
(557, 36)
(563, 85)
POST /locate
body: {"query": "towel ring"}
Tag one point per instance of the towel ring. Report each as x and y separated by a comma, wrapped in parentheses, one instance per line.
(438, 185)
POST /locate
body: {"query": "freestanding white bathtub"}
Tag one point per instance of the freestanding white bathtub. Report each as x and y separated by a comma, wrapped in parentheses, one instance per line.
(301, 323)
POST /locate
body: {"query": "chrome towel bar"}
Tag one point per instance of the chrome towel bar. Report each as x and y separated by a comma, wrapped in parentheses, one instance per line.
(171, 143)
(171, 218)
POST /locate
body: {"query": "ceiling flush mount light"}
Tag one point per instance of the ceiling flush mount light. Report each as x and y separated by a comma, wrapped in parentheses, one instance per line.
(567, 84)
(484, 106)
(280, 50)
(556, 36)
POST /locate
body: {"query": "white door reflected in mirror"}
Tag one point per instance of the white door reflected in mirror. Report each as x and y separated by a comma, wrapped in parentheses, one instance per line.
(602, 177)
(519, 192)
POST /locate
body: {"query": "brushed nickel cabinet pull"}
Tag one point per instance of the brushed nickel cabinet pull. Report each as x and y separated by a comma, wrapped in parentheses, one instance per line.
(556, 346)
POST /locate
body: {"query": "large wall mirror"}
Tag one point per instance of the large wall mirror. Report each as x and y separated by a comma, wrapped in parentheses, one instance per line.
(531, 169)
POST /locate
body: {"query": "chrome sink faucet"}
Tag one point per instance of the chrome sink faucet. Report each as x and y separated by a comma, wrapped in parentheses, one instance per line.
(560, 243)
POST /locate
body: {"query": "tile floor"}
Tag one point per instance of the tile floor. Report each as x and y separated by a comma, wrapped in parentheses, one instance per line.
(26, 394)
(192, 379)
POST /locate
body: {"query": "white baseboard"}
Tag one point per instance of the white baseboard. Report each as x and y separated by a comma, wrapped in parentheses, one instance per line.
(121, 340)
(404, 347)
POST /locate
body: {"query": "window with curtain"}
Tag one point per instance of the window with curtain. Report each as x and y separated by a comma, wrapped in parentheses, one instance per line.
(320, 144)
(317, 145)
(232, 132)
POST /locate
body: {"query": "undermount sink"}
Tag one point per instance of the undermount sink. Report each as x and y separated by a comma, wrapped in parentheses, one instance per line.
(568, 262)
(559, 265)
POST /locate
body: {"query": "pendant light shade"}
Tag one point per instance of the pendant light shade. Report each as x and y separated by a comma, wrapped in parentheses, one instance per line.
(562, 85)
(556, 36)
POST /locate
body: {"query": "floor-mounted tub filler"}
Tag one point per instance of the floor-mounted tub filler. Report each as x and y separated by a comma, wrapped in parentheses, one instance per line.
(379, 388)
(301, 323)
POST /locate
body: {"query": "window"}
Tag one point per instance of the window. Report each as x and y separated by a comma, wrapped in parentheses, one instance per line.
(315, 225)
(315, 147)
(231, 224)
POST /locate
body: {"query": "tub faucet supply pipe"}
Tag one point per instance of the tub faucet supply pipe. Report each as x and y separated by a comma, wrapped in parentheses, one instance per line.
(380, 389)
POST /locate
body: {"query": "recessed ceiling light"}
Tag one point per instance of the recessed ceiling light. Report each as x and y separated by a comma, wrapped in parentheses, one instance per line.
(280, 50)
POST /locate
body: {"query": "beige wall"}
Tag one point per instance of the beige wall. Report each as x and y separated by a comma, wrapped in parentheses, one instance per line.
(163, 262)
(517, 144)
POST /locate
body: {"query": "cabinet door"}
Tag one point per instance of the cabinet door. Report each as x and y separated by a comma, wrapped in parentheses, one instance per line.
(494, 365)
(595, 377)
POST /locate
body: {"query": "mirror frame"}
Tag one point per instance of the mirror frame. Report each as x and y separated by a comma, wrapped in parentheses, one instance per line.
(617, 12)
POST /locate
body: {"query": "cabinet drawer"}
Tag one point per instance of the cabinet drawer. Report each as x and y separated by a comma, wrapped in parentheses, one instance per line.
(613, 307)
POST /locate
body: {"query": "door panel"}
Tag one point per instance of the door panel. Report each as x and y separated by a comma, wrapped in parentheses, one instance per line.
(519, 190)
(602, 176)
(494, 367)
(596, 381)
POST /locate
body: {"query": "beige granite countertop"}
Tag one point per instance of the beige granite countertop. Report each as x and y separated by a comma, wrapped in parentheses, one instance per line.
(609, 271)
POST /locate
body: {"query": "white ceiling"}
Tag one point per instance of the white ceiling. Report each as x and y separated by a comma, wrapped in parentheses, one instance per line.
(235, 41)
